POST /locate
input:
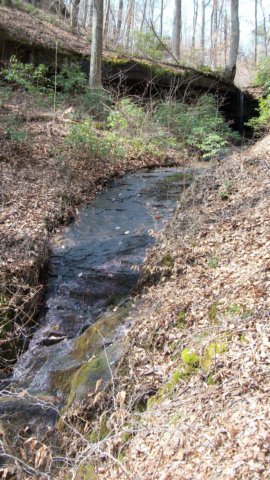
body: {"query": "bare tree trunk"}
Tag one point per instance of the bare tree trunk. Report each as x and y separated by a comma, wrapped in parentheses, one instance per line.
(96, 47)
(85, 13)
(226, 25)
(119, 18)
(143, 15)
(234, 47)
(204, 6)
(161, 18)
(106, 22)
(75, 14)
(195, 18)
(177, 28)
(130, 14)
(264, 30)
(214, 30)
(256, 33)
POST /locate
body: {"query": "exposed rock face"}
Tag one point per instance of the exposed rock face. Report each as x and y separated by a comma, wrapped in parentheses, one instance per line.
(53, 6)
(34, 40)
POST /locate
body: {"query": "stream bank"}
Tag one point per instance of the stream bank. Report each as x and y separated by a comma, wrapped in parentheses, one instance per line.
(192, 397)
(80, 337)
(43, 183)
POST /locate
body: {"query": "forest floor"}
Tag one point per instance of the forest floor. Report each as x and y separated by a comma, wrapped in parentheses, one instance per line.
(192, 397)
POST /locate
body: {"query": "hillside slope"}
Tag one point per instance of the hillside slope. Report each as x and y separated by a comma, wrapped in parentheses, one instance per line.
(200, 350)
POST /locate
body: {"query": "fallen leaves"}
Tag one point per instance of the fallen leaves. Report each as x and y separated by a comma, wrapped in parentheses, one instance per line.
(200, 429)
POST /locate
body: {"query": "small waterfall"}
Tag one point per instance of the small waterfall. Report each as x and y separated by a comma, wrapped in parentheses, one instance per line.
(241, 110)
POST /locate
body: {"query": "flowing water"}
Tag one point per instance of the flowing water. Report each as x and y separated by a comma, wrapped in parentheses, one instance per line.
(94, 267)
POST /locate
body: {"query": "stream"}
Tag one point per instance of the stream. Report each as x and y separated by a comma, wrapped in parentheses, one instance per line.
(88, 304)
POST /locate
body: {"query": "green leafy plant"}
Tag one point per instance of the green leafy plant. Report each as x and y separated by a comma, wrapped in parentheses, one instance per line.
(261, 122)
(200, 125)
(134, 128)
(262, 76)
(26, 75)
(84, 135)
(72, 79)
(213, 262)
(225, 190)
(97, 104)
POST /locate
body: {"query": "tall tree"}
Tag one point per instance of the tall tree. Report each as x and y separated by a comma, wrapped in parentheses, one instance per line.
(119, 18)
(177, 28)
(195, 18)
(161, 18)
(230, 69)
(75, 5)
(106, 22)
(129, 22)
(204, 6)
(143, 15)
(264, 30)
(214, 32)
(256, 33)
(96, 47)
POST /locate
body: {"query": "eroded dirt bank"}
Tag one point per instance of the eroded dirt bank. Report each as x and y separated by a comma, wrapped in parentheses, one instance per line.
(192, 396)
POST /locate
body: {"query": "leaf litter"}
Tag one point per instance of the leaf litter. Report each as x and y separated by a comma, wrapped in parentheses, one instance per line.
(210, 421)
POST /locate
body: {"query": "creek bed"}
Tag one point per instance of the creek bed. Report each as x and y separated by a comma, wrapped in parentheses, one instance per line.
(88, 305)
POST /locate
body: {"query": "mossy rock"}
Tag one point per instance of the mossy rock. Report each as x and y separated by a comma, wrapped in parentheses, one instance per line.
(93, 338)
(100, 367)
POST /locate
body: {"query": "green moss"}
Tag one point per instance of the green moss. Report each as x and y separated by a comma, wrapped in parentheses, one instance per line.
(89, 373)
(167, 261)
(86, 472)
(211, 352)
(210, 380)
(213, 262)
(183, 373)
(212, 312)
(243, 339)
(181, 320)
(233, 310)
(175, 418)
(190, 358)
(98, 435)
(177, 177)
(115, 61)
(89, 342)
(99, 367)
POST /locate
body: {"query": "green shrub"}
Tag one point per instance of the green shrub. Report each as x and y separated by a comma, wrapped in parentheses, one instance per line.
(134, 127)
(26, 75)
(97, 104)
(72, 79)
(261, 122)
(25, 7)
(200, 125)
(263, 73)
(84, 135)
